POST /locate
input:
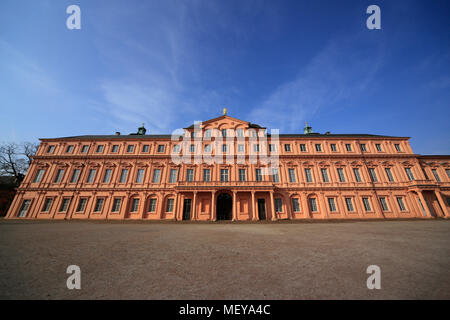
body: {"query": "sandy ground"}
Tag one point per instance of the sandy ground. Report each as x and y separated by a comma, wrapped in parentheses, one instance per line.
(225, 260)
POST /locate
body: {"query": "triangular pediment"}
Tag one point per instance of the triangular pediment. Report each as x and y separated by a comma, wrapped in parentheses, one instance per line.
(225, 120)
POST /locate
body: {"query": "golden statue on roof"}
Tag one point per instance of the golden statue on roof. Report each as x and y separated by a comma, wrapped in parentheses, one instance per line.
(224, 111)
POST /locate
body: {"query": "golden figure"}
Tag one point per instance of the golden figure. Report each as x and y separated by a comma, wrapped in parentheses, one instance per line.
(224, 111)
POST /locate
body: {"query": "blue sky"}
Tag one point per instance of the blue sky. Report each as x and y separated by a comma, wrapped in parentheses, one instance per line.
(274, 63)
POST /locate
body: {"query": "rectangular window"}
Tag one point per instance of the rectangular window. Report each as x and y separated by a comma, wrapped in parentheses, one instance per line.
(287, 147)
(160, 148)
(47, 205)
(91, 175)
(224, 132)
(64, 205)
(99, 205)
(156, 175)
(140, 176)
(295, 205)
(303, 147)
(397, 147)
(258, 174)
(240, 132)
(363, 147)
(50, 149)
(383, 203)
(190, 175)
(81, 204)
(152, 205)
(349, 203)
(69, 149)
(24, 208)
(99, 149)
(169, 207)
(324, 175)
(176, 148)
(332, 204)
(401, 205)
(107, 175)
(378, 146)
(116, 205)
(135, 205)
(206, 175)
(333, 147)
(348, 147)
(207, 148)
(256, 148)
(318, 147)
(84, 149)
(224, 175)
(366, 204)
(409, 174)
(224, 148)
(308, 175)
(389, 174)
(241, 148)
(192, 148)
(373, 175)
(59, 175)
(313, 204)
(208, 133)
(39, 175)
(75, 175)
(357, 175)
(271, 147)
(145, 148)
(130, 148)
(436, 176)
(278, 205)
(341, 175)
(173, 176)
(115, 148)
(123, 176)
(275, 176)
(291, 172)
(448, 172)
(242, 175)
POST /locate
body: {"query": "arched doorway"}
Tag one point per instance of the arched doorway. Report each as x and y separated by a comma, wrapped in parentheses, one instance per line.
(224, 207)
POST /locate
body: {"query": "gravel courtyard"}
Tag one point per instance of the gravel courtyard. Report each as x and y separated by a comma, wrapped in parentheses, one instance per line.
(166, 260)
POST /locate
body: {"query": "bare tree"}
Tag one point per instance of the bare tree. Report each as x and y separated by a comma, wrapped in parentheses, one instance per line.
(29, 150)
(15, 159)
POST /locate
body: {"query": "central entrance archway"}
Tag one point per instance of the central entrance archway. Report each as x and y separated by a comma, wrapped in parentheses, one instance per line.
(224, 207)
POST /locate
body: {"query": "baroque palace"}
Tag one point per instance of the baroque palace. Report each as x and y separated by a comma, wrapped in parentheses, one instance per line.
(316, 176)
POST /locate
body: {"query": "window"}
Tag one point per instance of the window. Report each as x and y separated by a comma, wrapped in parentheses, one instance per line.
(81, 204)
(373, 175)
(140, 176)
(448, 172)
(333, 147)
(39, 175)
(99, 149)
(332, 204)
(135, 205)
(242, 175)
(383, 203)
(115, 148)
(47, 205)
(436, 175)
(291, 172)
(75, 175)
(50, 149)
(208, 133)
(240, 132)
(107, 175)
(378, 146)
(116, 204)
(207, 148)
(69, 149)
(318, 147)
(99, 205)
(130, 148)
(224, 132)
(409, 174)
(401, 205)
(275, 176)
(349, 203)
(366, 204)
(169, 207)
(295, 205)
(287, 147)
(84, 149)
(303, 147)
(324, 175)
(357, 175)
(224, 175)
(258, 174)
(278, 205)
(156, 175)
(313, 204)
(190, 175)
(224, 148)
(24, 208)
(64, 205)
(123, 176)
(308, 175)
(363, 147)
(176, 148)
(389, 174)
(192, 148)
(397, 147)
(152, 205)
(145, 148)
(272, 147)
(256, 148)
(241, 148)
(253, 133)
(341, 175)
(161, 148)
(59, 175)
(348, 147)
(206, 175)
(173, 176)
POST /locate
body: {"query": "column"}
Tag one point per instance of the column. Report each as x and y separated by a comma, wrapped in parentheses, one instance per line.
(194, 206)
(234, 206)
(175, 209)
(272, 207)
(424, 204)
(322, 205)
(161, 205)
(213, 205)
(441, 202)
(254, 213)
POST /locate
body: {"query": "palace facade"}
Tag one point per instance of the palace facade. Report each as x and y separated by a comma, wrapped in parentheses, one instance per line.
(318, 176)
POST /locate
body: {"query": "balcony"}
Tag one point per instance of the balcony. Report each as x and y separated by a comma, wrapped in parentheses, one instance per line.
(224, 184)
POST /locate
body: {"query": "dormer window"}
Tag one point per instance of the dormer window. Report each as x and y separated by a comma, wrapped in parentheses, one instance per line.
(69, 149)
